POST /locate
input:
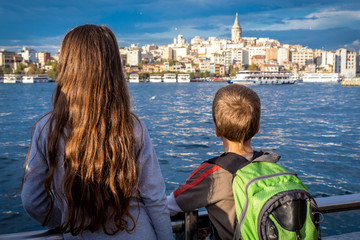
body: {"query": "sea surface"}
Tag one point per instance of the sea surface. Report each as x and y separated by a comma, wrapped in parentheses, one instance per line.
(314, 127)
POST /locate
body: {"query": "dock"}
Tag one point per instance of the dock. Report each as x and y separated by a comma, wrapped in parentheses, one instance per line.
(351, 82)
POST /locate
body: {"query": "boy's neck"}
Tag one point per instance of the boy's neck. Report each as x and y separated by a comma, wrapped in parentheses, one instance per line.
(236, 147)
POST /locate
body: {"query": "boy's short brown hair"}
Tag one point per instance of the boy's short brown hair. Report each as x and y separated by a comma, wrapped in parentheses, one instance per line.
(236, 112)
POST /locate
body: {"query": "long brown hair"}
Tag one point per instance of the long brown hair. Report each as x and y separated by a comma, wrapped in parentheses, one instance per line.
(91, 112)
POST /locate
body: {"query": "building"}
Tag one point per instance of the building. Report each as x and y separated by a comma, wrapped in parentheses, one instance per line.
(168, 53)
(180, 40)
(283, 55)
(236, 31)
(197, 40)
(180, 52)
(302, 57)
(347, 64)
(28, 54)
(133, 57)
(43, 57)
(271, 54)
(257, 59)
(9, 59)
(269, 68)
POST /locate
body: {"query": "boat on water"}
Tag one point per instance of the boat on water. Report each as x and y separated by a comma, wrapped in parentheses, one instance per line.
(169, 78)
(12, 78)
(321, 77)
(155, 78)
(247, 77)
(36, 78)
(134, 78)
(1, 79)
(183, 78)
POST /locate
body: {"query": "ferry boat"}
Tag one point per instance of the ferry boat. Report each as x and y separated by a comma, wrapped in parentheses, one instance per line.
(183, 78)
(321, 77)
(169, 78)
(12, 78)
(155, 78)
(36, 78)
(260, 78)
(134, 78)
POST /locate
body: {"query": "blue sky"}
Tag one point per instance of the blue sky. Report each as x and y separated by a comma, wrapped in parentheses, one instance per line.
(41, 24)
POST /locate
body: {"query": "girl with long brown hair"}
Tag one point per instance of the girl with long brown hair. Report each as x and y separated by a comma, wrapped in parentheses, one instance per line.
(91, 169)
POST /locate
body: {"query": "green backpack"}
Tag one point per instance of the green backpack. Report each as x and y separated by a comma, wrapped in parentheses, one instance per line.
(271, 202)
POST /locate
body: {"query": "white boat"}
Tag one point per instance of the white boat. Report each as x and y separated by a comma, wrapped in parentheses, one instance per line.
(43, 78)
(12, 78)
(183, 78)
(155, 78)
(134, 78)
(321, 77)
(169, 78)
(262, 78)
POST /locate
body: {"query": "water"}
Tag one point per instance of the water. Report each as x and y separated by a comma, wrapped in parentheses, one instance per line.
(314, 127)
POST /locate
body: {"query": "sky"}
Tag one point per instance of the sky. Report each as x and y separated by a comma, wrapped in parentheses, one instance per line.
(40, 24)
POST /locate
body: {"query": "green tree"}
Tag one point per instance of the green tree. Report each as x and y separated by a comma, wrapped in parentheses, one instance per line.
(234, 71)
(54, 71)
(253, 67)
(33, 70)
(6, 70)
(48, 62)
(20, 69)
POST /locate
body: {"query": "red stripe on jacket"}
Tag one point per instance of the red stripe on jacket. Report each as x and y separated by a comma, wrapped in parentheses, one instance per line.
(198, 179)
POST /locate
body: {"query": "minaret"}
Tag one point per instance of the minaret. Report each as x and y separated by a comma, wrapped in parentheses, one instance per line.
(236, 30)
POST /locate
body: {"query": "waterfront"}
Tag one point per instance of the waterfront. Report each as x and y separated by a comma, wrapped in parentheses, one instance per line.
(314, 127)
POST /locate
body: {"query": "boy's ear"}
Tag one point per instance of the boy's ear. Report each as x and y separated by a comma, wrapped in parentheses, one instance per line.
(217, 132)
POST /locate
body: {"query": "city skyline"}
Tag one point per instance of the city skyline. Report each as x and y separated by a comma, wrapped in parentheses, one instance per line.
(327, 25)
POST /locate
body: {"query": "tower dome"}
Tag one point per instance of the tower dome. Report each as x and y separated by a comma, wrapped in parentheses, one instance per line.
(236, 30)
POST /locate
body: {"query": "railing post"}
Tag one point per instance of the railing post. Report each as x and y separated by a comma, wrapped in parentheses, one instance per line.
(191, 230)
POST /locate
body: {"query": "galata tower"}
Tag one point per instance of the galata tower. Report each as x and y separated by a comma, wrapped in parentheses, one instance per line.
(236, 30)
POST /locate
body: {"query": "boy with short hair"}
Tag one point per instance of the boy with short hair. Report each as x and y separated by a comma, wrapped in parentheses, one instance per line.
(236, 113)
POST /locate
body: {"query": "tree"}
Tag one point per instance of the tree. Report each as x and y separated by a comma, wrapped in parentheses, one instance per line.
(253, 67)
(54, 71)
(6, 70)
(48, 62)
(20, 69)
(33, 70)
(234, 71)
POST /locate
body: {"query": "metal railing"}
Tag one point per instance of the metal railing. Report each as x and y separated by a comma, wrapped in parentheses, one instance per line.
(186, 225)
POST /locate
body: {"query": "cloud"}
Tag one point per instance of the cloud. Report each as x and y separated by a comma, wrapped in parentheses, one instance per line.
(322, 19)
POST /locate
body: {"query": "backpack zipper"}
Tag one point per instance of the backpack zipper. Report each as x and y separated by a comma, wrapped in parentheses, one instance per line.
(246, 205)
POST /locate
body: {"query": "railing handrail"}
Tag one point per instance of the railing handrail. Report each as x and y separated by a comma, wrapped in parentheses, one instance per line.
(188, 223)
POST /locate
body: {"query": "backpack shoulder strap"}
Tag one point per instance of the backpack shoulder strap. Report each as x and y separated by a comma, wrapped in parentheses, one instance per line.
(232, 161)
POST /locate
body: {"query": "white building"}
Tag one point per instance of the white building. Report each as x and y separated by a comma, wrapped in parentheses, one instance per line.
(283, 55)
(197, 40)
(180, 52)
(179, 41)
(28, 54)
(236, 30)
(133, 57)
(256, 50)
(302, 57)
(347, 64)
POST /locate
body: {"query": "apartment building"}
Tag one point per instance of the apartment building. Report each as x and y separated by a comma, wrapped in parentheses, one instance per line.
(347, 64)
(28, 54)
(302, 57)
(283, 55)
(9, 59)
(43, 57)
(133, 57)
